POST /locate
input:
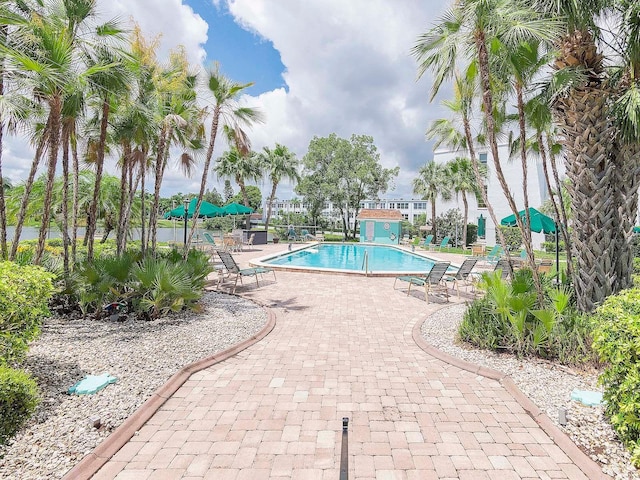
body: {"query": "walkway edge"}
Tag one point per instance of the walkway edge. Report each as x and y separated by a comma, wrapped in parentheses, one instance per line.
(588, 466)
(91, 463)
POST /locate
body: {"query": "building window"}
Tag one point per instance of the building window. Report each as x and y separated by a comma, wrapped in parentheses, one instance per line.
(392, 205)
(403, 205)
(420, 206)
(483, 158)
(405, 216)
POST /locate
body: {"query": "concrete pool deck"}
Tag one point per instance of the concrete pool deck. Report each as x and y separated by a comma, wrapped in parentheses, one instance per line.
(344, 346)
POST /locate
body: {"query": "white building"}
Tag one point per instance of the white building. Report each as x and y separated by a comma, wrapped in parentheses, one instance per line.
(512, 169)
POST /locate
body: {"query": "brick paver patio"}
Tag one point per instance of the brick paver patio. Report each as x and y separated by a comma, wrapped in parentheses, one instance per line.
(342, 347)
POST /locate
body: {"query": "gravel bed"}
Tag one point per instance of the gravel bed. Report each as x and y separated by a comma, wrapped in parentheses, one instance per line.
(142, 355)
(548, 385)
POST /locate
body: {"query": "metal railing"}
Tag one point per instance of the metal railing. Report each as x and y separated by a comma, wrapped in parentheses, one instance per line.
(365, 263)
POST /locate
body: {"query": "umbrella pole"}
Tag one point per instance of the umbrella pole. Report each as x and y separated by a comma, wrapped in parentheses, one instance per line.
(557, 255)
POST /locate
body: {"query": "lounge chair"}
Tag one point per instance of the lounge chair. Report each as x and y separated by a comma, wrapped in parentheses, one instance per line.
(494, 255)
(463, 275)
(427, 242)
(432, 281)
(292, 236)
(307, 236)
(210, 242)
(444, 243)
(249, 242)
(505, 266)
(233, 269)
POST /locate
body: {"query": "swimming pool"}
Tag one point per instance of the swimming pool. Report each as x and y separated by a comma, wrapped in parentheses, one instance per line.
(351, 258)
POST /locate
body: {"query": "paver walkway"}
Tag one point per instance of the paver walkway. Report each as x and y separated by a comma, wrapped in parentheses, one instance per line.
(342, 347)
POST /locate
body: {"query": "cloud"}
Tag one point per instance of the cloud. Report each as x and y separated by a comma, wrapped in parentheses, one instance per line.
(348, 70)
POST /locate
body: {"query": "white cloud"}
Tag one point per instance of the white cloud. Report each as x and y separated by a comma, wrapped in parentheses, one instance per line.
(348, 70)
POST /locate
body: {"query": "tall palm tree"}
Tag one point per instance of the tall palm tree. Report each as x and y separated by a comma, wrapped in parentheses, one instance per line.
(463, 181)
(457, 134)
(432, 182)
(109, 82)
(279, 163)
(474, 25)
(598, 128)
(226, 112)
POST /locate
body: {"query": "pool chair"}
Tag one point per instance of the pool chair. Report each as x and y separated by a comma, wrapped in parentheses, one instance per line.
(505, 266)
(307, 236)
(463, 275)
(444, 243)
(210, 242)
(249, 242)
(427, 242)
(232, 268)
(292, 236)
(494, 255)
(432, 281)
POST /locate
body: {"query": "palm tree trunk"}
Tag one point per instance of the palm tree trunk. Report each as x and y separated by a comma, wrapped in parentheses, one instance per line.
(480, 180)
(93, 209)
(559, 222)
(433, 219)
(124, 195)
(139, 158)
(465, 202)
(583, 116)
(143, 244)
(274, 187)
(22, 213)
(205, 173)
(627, 182)
(159, 169)
(526, 232)
(563, 210)
(55, 108)
(76, 192)
(3, 209)
(66, 134)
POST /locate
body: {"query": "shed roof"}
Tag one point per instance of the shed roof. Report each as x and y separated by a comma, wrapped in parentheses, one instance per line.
(380, 214)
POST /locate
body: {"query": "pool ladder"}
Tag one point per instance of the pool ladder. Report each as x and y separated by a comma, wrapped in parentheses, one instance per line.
(365, 263)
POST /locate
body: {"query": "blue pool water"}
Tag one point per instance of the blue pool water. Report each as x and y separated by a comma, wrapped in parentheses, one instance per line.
(350, 257)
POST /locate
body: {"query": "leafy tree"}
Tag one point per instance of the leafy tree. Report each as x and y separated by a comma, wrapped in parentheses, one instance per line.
(228, 191)
(345, 172)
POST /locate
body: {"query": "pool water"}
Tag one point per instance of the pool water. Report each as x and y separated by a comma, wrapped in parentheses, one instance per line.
(351, 257)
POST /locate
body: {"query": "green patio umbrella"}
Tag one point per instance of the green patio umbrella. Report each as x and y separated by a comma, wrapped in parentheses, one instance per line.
(482, 226)
(236, 209)
(539, 223)
(207, 210)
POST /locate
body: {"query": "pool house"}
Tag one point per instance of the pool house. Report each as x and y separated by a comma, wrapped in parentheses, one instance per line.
(380, 226)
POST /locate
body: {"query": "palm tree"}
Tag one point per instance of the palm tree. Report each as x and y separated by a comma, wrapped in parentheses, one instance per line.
(279, 163)
(109, 81)
(227, 112)
(431, 183)
(598, 124)
(463, 180)
(460, 137)
(476, 24)
(233, 164)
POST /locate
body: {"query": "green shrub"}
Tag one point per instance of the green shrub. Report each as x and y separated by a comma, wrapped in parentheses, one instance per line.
(550, 247)
(617, 341)
(512, 237)
(18, 400)
(507, 319)
(24, 295)
(149, 285)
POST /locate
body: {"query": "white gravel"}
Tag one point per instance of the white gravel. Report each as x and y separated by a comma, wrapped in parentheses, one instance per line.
(142, 355)
(548, 385)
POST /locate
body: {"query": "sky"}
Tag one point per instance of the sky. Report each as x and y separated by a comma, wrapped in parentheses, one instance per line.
(319, 67)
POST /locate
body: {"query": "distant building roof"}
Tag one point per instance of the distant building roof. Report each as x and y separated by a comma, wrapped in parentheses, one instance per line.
(380, 214)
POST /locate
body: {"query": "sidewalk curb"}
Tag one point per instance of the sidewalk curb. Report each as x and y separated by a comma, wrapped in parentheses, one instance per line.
(91, 463)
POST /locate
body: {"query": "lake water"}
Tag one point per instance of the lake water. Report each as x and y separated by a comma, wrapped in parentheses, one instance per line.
(164, 234)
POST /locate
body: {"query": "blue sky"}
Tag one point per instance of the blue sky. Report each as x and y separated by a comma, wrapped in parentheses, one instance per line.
(243, 55)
